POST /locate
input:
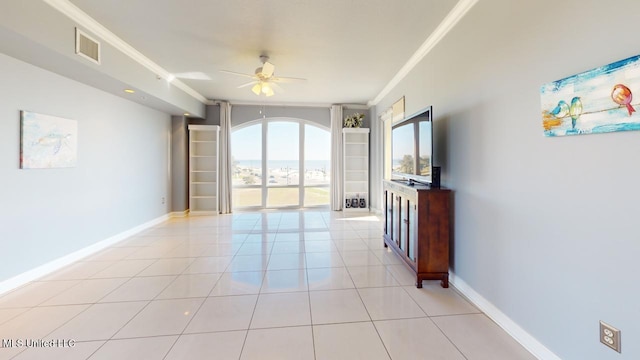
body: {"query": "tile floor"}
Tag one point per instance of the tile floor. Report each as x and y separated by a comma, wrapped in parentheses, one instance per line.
(263, 285)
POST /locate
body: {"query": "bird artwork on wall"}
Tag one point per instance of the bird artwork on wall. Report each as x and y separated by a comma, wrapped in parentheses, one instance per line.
(575, 110)
(621, 95)
(561, 110)
(601, 100)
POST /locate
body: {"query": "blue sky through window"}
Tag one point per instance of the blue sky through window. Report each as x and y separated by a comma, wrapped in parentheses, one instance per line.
(246, 143)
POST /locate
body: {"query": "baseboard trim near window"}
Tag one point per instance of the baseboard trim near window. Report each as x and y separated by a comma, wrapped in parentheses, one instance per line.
(178, 214)
(52, 266)
(501, 319)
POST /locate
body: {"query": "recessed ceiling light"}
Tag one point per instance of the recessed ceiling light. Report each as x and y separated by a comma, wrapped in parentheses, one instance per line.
(186, 114)
(129, 91)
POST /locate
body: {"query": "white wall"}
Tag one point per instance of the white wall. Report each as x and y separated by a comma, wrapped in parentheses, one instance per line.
(545, 228)
(179, 164)
(241, 114)
(122, 172)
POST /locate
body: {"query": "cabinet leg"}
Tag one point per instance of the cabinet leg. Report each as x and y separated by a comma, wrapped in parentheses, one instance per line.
(419, 283)
(445, 281)
(385, 245)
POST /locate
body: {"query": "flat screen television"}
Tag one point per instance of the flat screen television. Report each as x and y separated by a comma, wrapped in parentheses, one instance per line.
(412, 147)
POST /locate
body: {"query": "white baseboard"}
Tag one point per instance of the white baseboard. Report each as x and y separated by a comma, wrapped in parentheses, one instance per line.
(50, 267)
(511, 327)
(176, 214)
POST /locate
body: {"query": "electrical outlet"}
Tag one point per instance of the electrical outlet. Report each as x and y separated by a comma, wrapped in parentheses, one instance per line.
(163, 200)
(610, 336)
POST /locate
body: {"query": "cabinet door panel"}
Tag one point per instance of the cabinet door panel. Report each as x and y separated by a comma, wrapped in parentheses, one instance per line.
(396, 219)
(404, 225)
(388, 216)
(413, 231)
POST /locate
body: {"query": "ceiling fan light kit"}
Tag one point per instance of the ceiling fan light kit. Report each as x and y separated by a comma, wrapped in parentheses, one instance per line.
(263, 88)
(267, 90)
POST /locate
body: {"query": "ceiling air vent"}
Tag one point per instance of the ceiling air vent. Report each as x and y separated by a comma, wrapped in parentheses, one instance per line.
(87, 47)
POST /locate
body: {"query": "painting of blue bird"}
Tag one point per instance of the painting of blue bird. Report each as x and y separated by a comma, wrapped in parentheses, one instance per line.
(575, 110)
(561, 110)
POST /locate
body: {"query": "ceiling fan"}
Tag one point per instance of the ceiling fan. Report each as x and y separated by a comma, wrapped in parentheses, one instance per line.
(264, 81)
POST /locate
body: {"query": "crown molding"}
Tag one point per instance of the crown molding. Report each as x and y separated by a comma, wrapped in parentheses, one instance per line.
(89, 24)
(285, 104)
(356, 106)
(290, 104)
(457, 13)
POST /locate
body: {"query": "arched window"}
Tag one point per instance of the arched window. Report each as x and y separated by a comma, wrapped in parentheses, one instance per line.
(280, 163)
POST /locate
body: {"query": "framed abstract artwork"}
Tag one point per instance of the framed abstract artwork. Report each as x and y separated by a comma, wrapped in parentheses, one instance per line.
(47, 141)
(595, 101)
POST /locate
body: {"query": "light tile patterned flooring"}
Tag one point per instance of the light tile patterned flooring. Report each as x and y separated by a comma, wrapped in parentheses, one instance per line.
(263, 285)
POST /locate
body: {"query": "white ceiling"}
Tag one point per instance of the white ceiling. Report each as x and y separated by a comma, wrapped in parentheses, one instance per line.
(349, 50)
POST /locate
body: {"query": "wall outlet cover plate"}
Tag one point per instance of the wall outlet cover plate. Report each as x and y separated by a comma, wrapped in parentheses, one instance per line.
(610, 336)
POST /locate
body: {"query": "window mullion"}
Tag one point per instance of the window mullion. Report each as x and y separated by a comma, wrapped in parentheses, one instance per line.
(301, 172)
(265, 130)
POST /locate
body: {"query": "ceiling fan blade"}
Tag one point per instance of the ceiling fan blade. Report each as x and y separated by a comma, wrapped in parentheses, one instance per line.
(267, 69)
(238, 74)
(193, 75)
(247, 84)
(287, 79)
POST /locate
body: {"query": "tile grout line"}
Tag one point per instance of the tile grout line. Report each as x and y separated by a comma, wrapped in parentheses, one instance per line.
(144, 307)
(90, 305)
(194, 314)
(256, 304)
(81, 312)
(313, 338)
(149, 302)
(449, 339)
(371, 320)
(140, 311)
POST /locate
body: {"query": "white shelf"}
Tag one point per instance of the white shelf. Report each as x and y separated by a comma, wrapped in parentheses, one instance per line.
(203, 169)
(356, 167)
(366, 209)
